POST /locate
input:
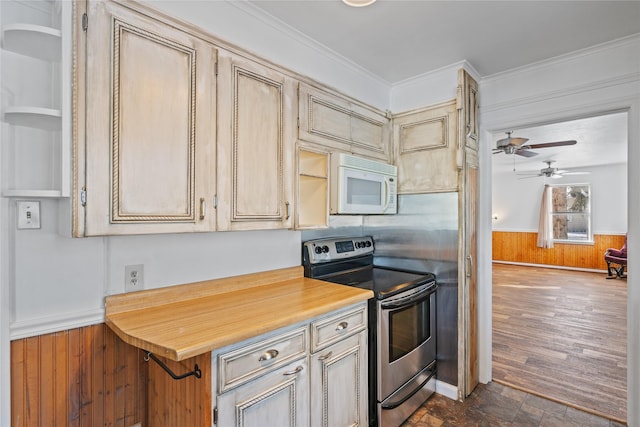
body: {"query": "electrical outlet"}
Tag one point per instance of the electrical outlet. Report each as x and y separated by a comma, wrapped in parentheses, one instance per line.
(133, 277)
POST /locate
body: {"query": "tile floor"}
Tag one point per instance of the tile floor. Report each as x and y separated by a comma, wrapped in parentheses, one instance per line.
(496, 405)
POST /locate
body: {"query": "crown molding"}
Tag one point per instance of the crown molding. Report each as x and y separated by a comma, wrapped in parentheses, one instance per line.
(571, 56)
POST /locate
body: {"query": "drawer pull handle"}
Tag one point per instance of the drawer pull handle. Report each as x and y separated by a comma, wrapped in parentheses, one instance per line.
(268, 355)
(295, 371)
(341, 326)
(326, 356)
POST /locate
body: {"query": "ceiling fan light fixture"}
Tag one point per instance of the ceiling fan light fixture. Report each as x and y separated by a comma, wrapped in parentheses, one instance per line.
(358, 3)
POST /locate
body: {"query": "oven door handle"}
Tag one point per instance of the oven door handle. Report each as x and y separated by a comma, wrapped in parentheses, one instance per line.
(394, 404)
(404, 302)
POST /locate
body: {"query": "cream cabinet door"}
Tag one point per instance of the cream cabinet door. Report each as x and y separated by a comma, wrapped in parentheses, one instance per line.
(150, 126)
(339, 383)
(468, 110)
(280, 398)
(257, 107)
(426, 149)
(337, 122)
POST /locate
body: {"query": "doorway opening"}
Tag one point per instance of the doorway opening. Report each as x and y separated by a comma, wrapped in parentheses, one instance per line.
(536, 283)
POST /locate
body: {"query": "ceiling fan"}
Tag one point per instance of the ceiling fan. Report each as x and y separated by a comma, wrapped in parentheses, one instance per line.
(519, 146)
(551, 172)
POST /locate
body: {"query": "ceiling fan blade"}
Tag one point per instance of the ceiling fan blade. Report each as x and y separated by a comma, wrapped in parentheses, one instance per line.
(576, 173)
(553, 144)
(525, 153)
(530, 176)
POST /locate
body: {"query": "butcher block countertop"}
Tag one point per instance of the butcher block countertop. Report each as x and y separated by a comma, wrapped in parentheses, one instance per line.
(179, 322)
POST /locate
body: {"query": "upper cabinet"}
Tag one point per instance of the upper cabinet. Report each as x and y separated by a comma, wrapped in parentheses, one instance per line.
(426, 149)
(468, 110)
(146, 153)
(36, 98)
(257, 134)
(337, 122)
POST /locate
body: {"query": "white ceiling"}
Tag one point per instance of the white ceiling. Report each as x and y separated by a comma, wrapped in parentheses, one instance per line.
(600, 140)
(399, 39)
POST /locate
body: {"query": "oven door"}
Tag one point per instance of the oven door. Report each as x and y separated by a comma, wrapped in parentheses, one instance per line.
(406, 337)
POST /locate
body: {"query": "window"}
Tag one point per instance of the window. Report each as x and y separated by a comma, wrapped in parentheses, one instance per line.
(571, 213)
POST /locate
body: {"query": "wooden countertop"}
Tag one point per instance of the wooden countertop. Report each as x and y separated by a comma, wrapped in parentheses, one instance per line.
(183, 321)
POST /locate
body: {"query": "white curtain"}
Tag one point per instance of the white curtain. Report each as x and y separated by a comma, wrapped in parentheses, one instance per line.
(545, 225)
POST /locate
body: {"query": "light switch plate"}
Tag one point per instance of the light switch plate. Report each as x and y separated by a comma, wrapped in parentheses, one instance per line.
(28, 214)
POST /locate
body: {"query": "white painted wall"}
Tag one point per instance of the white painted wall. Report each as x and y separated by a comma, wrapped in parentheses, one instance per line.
(516, 202)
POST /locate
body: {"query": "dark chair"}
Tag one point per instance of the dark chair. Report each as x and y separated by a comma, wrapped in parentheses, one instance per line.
(616, 257)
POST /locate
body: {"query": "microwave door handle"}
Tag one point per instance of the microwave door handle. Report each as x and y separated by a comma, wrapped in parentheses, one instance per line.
(387, 193)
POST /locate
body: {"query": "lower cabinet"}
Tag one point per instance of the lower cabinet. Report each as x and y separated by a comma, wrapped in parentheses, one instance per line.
(310, 374)
(279, 398)
(339, 384)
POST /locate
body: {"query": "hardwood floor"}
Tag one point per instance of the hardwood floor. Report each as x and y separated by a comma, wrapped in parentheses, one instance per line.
(494, 404)
(562, 334)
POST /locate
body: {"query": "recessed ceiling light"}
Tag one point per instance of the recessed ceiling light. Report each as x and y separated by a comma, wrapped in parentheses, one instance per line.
(358, 3)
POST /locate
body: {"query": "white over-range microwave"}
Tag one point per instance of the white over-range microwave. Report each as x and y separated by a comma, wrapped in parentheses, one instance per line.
(361, 186)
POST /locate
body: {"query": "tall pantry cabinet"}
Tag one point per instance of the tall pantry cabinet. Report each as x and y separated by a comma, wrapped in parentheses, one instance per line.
(467, 101)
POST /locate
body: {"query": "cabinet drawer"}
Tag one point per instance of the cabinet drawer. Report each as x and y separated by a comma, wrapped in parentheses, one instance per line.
(249, 362)
(328, 330)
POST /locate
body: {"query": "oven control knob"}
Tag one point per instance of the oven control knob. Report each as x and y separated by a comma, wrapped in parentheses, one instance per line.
(318, 250)
(325, 249)
(360, 245)
(368, 244)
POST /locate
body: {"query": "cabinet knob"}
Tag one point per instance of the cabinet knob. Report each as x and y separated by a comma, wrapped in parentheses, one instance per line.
(341, 326)
(268, 355)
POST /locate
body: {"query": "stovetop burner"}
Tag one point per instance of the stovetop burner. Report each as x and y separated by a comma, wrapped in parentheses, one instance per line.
(349, 261)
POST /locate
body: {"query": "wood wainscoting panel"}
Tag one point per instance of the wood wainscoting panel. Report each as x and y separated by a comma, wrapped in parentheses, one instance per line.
(521, 247)
(80, 377)
(194, 408)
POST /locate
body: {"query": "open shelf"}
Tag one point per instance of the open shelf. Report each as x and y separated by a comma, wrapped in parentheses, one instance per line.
(33, 40)
(313, 189)
(32, 193)
(35, 117)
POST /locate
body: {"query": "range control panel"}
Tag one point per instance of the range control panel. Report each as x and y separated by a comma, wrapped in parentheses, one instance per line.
(323, 250)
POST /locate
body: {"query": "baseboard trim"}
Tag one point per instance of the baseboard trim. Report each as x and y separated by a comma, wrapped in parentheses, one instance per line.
(558, 267)
(447, 390)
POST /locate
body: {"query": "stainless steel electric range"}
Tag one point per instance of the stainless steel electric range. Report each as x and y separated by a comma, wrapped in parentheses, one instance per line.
(402, 323)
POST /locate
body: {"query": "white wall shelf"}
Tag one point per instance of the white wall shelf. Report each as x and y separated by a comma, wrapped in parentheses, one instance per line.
(36, 41)
(36, 108)
(35, 117)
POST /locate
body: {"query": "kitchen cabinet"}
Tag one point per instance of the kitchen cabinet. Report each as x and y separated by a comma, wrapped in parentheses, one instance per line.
(265, 383)
(339, 386)
(36, 98)
(426, 149)
(342, 124)
(467, 265)
(146, 124)
(311, 374)
(257, 117)
(312, 201)
(468, 106)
